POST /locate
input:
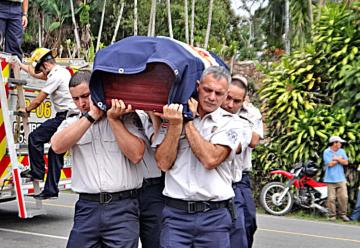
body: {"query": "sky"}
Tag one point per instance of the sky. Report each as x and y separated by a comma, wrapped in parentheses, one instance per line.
(236, 3)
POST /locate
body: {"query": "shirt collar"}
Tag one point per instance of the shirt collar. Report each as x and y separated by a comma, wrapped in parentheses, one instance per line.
(217, 115)
(53, 70)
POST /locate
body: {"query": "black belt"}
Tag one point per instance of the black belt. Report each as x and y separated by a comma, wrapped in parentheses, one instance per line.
(105, 197)
(152, 181)
(196, 206)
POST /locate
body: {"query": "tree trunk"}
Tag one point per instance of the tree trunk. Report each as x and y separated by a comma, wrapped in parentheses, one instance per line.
(151, 27)
(287, 27)
(118, 22)
(186, 10)
(169, 18)
(101, 26)
(321, 4)
(42, 28)
(192, 22)
(40, 31)
(310, 12)
(135, 18)
(153, 20)
(208, 29)
(76, 32)
(251, 31)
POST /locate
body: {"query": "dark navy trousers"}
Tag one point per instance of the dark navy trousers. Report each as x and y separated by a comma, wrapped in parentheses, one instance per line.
(199, 230)
(356, 213)
(151, 201)
(11, 31)
(37, 139)
(238, 235)
(97, 225)
(250, 208)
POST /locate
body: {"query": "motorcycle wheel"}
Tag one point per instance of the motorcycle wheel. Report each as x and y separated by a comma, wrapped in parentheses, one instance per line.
(268, 199)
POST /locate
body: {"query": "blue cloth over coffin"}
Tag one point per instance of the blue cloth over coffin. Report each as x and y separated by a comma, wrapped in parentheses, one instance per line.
(132, 56)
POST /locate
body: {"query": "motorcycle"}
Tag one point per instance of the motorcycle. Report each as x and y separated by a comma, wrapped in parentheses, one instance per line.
(278, 198)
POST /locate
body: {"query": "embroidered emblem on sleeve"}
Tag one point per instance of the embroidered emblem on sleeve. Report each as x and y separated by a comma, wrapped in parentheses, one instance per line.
(232, 136)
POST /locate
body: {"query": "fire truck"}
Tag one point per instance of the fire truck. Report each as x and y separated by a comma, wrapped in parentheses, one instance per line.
(13, 135)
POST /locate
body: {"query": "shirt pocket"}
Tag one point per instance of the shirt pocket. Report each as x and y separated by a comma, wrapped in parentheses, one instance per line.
(110, 144)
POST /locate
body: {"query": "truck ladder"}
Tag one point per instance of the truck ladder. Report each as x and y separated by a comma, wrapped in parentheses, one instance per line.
(24, 211)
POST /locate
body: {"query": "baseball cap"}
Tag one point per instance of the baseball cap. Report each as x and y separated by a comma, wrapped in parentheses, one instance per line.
(336, 139)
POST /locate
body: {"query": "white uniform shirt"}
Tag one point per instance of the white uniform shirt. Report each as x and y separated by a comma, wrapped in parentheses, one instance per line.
(251, 113)
(238, 162)
(188, 179)
(149, 166)
(57, 86)
(98, 163)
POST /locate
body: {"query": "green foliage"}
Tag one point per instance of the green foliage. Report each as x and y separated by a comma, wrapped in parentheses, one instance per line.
(313, 94)
(56, 17)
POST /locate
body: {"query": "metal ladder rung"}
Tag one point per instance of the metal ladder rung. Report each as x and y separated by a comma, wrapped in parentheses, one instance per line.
(17, 81)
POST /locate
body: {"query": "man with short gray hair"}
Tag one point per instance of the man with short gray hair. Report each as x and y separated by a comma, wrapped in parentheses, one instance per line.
(196, 153)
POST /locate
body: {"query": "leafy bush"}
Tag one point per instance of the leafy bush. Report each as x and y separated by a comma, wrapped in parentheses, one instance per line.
(313, 94)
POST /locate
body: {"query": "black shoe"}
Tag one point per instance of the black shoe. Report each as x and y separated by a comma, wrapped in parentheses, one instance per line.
(44, 196)
(27, 174)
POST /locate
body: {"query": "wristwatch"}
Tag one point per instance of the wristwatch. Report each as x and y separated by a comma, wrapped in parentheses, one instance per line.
(89, 117)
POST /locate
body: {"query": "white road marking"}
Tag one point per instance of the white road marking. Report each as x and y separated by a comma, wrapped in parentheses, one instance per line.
(53, 204)
(33, 234)
(308, 235)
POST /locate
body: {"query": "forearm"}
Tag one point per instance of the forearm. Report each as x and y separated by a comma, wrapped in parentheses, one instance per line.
(210, 155)
(255, 138)
(332, 163)
(66, 138)
(37, 101)
(343, 161)
(30, 70)
(166, 152)
(25, 5)
(131, 146)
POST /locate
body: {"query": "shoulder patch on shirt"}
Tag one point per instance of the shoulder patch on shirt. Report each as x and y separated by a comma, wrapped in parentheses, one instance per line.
(232, 135)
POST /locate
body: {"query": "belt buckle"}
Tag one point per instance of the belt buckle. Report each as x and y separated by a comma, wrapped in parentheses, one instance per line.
(105, 198)
(191, 207)
(207, 206)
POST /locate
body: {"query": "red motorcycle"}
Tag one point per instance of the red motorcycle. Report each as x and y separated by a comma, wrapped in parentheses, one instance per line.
(278, 198)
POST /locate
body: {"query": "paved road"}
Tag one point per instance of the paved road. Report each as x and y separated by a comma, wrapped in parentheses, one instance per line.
(52, 230)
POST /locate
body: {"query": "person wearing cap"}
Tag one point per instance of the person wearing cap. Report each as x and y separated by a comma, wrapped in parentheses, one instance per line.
(108, 151)
(56, 86)
(13, 21)
(233, 103)
(335, 159)
(196, 154)
(249, 112)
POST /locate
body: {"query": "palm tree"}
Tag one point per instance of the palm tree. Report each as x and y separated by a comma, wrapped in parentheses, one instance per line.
(192, 22)
(118, 22)
(135, 18)
(152, 19)
(76, 32)
(168, 4)
(208, 24)
(186, 21)
(287, 27)
(101, 26)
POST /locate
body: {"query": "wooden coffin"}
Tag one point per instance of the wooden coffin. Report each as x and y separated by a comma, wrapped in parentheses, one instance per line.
(148, 90)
